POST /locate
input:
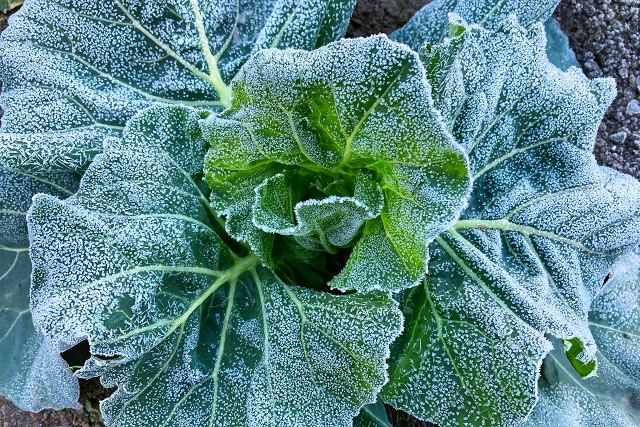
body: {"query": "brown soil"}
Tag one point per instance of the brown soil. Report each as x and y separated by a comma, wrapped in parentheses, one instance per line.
(605, 35)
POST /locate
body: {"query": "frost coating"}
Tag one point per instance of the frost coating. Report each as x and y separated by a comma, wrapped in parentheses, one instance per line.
(33, 375)
(305, 125)
(75, 71)
(133, 263)
(541, 230)
(431, 23)
(610, 398)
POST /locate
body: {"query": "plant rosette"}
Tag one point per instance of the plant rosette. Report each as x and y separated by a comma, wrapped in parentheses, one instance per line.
(255, 223)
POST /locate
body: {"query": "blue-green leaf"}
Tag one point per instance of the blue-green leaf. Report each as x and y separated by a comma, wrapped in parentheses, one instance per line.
(543, 225)
(431, 23)
(75, 71)
(558, 49)
(33, 375)
(373, 415)
(611, 397)
(189, 331)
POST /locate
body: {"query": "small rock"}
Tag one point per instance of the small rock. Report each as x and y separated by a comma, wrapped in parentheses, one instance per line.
(633, 107)
(618, 137)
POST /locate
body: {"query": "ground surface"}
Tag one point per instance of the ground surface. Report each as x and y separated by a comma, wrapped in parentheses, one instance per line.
(606, 37)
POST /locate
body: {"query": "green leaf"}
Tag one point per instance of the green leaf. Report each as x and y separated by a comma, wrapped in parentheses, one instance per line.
(313, 144)
(33, 375)
(332, 222)
(543, 225)
(75, 71)
(9, 5)
(373, 415)
(190, 332)
(431, 23)
(573, 349)
(611, 397)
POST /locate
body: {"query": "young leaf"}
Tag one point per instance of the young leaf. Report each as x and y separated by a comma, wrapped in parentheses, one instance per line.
(610, 398)
(373, 415)
(431, 23)
(541, 229)
(190, 332)
(33, 375)
(316, 142)
(74, 71)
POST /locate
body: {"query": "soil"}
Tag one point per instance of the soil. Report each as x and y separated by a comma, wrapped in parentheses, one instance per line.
(605, 35)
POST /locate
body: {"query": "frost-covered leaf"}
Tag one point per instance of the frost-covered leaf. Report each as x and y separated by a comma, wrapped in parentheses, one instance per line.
(558, 50)
(373, 415)
(612, 397)
(431, 23)
(74, 71)
(33, 375)
(319, 143)
(540, 232)
(7, 5)
(195, 335)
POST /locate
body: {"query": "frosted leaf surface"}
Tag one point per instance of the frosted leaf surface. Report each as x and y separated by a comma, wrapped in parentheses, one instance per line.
(319, 143)
(559, 52)
(33, 375)
(542, 227)
(373, 415)
(203, 337)
(431, 23)
(611, 397)
(75, 71)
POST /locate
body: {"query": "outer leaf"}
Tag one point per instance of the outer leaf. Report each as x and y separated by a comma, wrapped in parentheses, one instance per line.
(7, 5)
(353, 107)
(373, 415)
(542, 228)
(203, 337)
(610, 398)
(431, 23)
(33, 375)
(558, 49)
(76, 70)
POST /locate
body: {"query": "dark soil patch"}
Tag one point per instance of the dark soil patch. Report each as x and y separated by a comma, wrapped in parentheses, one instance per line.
(605, 35)
(90, 394)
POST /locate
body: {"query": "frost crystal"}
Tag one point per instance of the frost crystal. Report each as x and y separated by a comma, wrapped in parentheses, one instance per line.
(610, 398)
(542, 228)
(33, 375)
(75, 71)
(203, 336)
(319, 143)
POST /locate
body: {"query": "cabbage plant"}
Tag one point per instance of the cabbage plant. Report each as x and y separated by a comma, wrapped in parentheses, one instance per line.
(254, 222)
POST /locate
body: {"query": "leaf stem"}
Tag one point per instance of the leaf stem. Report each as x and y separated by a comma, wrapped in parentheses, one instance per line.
(240, 267)
(215, 77)
(503, 224)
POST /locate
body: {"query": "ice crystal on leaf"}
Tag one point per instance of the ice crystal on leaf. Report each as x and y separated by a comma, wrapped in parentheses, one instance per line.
(321, 144)
(542, 227)
(239, 163)
(74, 71)
(431, 23)
(610, 398)
(202, 336)
(33, 375)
